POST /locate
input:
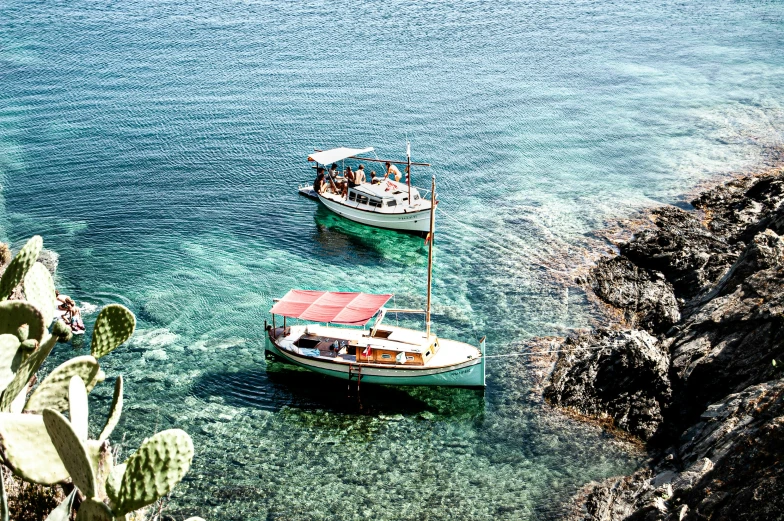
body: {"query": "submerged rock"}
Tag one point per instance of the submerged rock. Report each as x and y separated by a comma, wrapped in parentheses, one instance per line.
(617, 374)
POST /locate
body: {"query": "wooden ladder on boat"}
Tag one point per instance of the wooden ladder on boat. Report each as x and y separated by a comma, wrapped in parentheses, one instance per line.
(358, 373)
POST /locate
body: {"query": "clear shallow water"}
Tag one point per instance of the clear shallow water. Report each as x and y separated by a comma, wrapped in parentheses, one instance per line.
(155, 146)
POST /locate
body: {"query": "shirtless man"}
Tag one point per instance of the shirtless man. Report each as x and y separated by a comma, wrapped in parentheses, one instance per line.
(359, 175)
(393, 171)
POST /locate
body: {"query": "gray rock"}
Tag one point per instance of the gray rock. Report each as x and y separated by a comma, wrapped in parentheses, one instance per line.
(644, 296)
(617, 374)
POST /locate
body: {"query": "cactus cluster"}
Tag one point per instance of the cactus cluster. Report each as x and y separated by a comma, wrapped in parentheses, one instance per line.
(37, 442)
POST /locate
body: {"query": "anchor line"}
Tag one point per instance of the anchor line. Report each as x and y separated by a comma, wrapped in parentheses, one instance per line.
(509, 355)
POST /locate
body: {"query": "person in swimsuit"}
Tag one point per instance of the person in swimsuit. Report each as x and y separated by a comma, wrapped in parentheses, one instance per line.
(349, 181)
(392, 171)
(319, 183)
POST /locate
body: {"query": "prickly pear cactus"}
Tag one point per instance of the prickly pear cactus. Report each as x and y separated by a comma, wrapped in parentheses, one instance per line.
(52, 393)
(154, 470)
(39, 291)
(25, 372)
(114, 481)
(94, 510)
(77, 407)
(62, 331)
(114, 325)
(102, 461)
(71, 450)
(17, 313)
(100, 377)
(115, 411)
(19, 266)
(28, 450)
(10, 359)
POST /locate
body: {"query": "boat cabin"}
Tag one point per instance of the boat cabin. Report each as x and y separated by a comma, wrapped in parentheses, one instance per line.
(383, 195)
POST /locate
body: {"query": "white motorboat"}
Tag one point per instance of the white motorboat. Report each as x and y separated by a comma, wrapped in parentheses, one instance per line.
(390, 204)
(383, 354)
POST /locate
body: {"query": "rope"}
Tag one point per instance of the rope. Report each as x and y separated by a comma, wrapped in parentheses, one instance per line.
(508, 355)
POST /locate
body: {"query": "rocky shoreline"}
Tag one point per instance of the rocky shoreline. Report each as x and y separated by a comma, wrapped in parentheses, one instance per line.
(689, 369)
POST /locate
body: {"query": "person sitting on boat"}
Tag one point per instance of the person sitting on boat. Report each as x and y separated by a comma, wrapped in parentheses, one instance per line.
(333, 171)
(359, 175)
(392, 171)
(319, 184)
(373, 179)
(62, 300)
(349, 175)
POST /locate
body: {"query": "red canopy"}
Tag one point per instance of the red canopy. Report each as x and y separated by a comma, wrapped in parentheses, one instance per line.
(352, 309)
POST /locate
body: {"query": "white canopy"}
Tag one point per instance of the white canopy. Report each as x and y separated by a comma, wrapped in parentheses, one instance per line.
(336, 154)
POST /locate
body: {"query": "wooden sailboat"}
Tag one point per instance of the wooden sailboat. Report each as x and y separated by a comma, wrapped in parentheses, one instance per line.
(382, 354)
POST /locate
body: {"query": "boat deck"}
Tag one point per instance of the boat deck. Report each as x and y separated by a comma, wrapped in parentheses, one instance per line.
(321, 345)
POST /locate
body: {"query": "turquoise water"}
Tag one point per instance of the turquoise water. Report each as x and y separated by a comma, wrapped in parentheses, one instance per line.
(156, 146)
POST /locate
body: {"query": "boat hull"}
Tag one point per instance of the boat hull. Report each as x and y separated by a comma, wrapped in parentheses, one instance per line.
(467, 374)
(414, 221)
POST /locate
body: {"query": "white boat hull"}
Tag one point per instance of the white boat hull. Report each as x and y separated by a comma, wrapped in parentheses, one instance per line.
(470, 373)
(412, 221)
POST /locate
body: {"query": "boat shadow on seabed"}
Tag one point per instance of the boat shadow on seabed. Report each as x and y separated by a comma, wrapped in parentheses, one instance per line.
(338, 236)
(280, 385)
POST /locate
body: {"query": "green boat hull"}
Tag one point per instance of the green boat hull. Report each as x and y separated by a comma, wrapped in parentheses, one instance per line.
(470, 375)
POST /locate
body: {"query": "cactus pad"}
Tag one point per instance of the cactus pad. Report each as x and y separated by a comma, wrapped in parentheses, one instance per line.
(25, 372)
(116, 410)
(94, 510)
(114, 325)
(10, 359)
(77, 406)
(39, 291)
(154, 470)
(19, 265)
(52, 393)
(16, 313)
(71, 450)
(102, 461)
(98, 378)
(27, 449)
(113, 482)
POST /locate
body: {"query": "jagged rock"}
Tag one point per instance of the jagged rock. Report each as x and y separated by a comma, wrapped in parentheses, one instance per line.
(50, 259)
(645, 297)
(740, 204)
(730, 467)
(724, 412)
(729, 341)
(683, 249)
(617, 374)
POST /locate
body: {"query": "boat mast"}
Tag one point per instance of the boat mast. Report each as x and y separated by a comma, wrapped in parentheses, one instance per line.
(408, 168)
(430, 253)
